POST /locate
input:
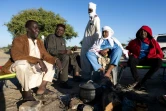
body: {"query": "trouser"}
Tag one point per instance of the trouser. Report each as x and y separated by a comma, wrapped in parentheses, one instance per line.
(30, 75)
(96, 66)
(93, 58)
(65, 60)
(155, 64)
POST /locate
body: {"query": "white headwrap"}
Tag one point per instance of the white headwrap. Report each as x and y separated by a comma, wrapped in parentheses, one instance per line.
(92, 6)
(110, 34)
(110, 31)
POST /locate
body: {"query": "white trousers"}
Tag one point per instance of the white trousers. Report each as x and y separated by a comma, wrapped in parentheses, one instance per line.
(30, 75)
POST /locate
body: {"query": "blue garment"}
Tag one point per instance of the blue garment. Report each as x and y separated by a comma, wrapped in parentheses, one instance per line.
(92, 57)
(144, 50)
(116, 53)
(105, 44)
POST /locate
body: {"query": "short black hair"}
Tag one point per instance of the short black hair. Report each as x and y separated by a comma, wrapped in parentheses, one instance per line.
(61, 25)
(29, 22)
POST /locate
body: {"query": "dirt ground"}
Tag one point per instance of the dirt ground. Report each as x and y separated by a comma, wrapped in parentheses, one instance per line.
(3, 57)
(10, 97)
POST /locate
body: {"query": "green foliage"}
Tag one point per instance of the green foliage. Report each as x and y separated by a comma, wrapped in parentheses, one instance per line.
(47, 21)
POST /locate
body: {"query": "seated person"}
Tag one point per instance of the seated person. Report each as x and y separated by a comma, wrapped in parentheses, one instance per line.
(56, 45)
(103, 46)
(33, 65)
(144, 50)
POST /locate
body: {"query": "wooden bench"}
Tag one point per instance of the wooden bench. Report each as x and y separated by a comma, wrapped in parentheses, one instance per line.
(123, 64)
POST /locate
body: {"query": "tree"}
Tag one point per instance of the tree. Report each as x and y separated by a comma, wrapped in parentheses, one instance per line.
(47, 21)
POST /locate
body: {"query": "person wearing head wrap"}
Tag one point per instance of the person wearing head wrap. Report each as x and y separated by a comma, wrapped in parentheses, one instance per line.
(144, 50)
(92, 33)
(103, 46)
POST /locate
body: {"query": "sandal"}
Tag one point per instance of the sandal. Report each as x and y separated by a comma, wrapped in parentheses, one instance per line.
(46, 92)
(45, 95)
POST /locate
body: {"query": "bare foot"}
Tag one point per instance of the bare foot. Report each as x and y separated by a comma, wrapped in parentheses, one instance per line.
(41, 90)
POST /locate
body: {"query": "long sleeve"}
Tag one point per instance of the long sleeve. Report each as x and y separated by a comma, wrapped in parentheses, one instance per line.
(51, 45)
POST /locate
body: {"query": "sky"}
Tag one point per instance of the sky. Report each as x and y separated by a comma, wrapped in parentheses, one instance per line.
(125, 17)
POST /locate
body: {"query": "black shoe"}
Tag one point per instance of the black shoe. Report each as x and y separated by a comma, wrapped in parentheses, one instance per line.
(65, 85)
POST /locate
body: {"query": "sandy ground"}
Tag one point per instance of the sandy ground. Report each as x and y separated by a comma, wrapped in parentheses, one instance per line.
(10, 97)
(3, 57)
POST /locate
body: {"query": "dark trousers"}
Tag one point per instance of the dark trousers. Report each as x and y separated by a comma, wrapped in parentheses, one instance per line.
(68, 60)
(155, 64)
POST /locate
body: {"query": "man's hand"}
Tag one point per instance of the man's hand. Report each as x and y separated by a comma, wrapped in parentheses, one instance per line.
(104, 52)
(59, 64)
(43, 66)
